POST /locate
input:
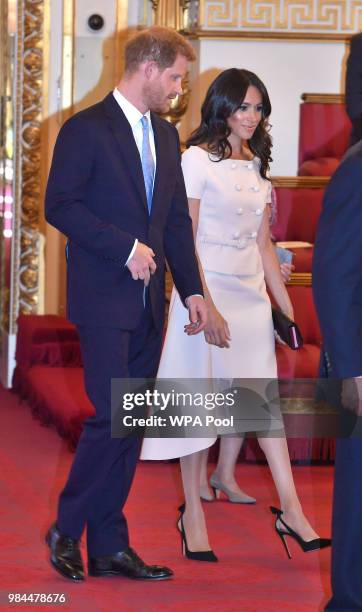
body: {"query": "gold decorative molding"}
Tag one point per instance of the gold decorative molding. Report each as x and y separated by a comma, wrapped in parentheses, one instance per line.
(169, 286)
(179, 104)
(313, 19)
(301, 182)
(268, 35)
(301, 278)
(305, 405)
(170, 13)
(27, 166)
(317, 98)
(5, 309)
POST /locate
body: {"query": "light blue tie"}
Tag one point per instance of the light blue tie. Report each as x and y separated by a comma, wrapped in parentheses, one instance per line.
(148, 164)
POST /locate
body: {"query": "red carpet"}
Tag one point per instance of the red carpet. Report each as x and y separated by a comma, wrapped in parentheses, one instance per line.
(253, 573)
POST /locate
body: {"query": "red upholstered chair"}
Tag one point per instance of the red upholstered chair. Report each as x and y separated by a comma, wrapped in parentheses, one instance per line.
(299, 207)
(58, 397)
(46, 339)
(49, 373)
(324, 130)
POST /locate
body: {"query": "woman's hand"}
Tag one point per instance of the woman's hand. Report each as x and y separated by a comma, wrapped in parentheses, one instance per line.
(288, 311)
(217, 330)
(286, 270)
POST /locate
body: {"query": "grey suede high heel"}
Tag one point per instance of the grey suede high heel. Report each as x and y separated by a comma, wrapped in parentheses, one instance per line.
(206, 495)
(234, 498)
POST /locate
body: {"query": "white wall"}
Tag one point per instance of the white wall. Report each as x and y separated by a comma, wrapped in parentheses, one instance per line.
(55, 58)
(288, 69)
(93, 52)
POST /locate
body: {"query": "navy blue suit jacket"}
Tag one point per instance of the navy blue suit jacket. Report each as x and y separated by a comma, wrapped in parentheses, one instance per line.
(337, 269)
(96, 197)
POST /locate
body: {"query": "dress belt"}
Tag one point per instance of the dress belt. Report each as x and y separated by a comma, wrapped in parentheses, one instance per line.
(238, 243)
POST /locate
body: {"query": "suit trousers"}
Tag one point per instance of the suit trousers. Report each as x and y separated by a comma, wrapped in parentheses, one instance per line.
(347, 527)
(103, 468)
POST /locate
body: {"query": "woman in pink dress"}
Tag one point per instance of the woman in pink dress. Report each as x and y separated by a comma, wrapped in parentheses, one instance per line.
(226, 175)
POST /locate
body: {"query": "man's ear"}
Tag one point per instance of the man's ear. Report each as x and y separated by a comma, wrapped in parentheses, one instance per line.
(150, 69)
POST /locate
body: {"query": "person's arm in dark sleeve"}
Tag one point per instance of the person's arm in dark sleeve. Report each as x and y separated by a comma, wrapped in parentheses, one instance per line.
(337, 269)
(65, 208)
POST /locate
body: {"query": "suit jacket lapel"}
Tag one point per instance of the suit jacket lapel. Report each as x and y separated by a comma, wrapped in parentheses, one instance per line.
(122, 132)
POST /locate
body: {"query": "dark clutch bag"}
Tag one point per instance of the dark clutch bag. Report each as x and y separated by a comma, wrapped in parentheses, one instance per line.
(287, 329)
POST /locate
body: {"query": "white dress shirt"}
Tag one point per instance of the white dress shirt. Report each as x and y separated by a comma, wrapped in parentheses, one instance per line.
(134, 117)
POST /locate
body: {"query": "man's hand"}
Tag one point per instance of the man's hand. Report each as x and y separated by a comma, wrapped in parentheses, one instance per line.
(197, 315)
(141, 265)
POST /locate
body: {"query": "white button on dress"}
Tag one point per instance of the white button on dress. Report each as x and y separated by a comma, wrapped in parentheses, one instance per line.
(238, 187)
(239, 211)
(258, 211)
(236, 235)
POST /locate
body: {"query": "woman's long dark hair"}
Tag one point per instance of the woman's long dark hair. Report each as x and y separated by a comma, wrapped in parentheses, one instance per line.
(224, 96)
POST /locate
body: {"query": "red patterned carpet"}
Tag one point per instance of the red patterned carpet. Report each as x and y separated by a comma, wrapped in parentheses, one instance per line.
(253, 574)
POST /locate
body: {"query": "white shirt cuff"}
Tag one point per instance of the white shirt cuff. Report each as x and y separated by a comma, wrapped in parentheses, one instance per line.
(132, 252)
(193, 295)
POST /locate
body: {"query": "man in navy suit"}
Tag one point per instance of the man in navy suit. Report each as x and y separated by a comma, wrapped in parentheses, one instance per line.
(337, 286)
(116, 191)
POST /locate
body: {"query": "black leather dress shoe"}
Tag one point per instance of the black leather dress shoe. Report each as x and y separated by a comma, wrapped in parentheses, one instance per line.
(65, 555)
(127, 563)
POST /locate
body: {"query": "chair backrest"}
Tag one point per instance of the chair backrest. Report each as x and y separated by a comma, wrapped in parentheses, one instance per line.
(298, 211)
(324, 131)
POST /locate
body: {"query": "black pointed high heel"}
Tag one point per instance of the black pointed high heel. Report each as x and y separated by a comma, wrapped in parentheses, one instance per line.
(306, 546)
(199, 555)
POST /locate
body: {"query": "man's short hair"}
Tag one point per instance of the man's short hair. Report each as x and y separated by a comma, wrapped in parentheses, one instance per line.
(157, 44)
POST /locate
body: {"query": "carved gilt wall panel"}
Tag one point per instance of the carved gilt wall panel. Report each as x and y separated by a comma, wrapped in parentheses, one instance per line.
(283, 16)
(27, 171)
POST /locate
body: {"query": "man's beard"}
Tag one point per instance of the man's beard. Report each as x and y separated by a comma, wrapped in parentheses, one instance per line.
(156, 100)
